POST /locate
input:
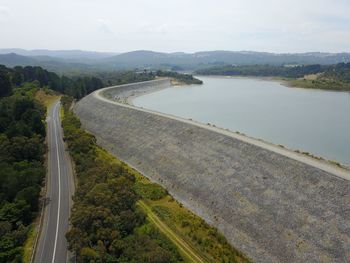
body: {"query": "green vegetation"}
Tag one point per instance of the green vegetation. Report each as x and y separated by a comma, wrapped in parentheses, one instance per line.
(22, 149)
(321, 83)
(188, 253)
(76, 87)
(263, 70)
(206, 241)
(47, 97)
(106, 224)
(333, 77)
(28, 245)
(336, 77)
(124, 77)
(150, 191)
(179, 77)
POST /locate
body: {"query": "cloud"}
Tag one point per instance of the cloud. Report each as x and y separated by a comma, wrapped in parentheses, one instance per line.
(182, 25)
(4, 11)
(154, 28)
(105, 26)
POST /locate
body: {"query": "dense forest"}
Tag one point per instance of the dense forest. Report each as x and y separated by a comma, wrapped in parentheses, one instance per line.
(263, 70)
(80, 85)
(76, 87)
(181, 78)
(123, 77)
(106, 225)
(22, 149)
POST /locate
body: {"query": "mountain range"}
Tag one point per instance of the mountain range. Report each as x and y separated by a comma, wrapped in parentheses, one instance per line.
(78, 60)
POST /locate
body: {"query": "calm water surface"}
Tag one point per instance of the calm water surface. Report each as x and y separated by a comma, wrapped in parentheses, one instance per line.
(309, 120)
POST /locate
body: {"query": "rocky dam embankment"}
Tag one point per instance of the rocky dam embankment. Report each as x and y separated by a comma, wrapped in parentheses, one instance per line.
(271, 207)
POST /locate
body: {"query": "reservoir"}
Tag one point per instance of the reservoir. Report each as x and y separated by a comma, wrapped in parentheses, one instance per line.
(313, 121)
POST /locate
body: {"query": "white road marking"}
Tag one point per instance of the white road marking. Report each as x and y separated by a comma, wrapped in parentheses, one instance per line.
(48, 119)
(59, 187)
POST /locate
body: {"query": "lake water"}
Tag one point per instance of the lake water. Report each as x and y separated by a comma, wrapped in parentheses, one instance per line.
(314, 121)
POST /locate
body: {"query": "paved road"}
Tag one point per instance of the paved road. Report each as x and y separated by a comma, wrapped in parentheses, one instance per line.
(52, 244)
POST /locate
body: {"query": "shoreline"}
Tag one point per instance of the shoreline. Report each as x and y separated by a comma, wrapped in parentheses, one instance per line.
(332, 167)
(282, 80)
(129, 101)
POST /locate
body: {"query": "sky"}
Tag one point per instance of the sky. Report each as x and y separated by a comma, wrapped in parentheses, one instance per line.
(176, 25)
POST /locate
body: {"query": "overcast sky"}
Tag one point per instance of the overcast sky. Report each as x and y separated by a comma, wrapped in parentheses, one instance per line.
(176, 25)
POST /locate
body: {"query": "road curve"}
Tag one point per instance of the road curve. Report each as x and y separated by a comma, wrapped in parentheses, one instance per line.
(52, 244)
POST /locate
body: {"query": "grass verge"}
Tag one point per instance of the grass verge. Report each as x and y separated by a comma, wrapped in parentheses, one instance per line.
(46, 97)
(185, 249)
(192, 231)
(29, 244)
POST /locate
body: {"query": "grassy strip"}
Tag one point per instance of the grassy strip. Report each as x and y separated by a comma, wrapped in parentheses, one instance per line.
(186, 250)
(204, 239)
(29, 243)
(196, 240)
(46, 97)
(153, 191)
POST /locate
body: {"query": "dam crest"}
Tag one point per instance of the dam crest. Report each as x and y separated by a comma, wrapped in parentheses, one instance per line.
(271, 206)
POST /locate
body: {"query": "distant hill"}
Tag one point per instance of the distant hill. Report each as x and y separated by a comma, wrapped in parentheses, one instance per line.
(144, 58)
(210, 58)
(70, 55)
(13, 59)
(77, 60)
(49, 63)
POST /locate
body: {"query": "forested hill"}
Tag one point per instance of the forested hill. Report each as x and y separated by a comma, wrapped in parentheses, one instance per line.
(340, 70)
(76, 87)
(264, 70)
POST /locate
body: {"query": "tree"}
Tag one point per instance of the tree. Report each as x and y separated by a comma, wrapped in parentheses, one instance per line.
(5, 84)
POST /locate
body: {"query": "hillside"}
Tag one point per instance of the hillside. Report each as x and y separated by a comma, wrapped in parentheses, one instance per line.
(86, 61)
(60, 54)
(198, 60)
(13, 59)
